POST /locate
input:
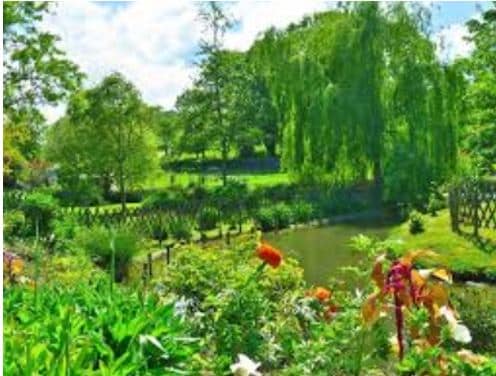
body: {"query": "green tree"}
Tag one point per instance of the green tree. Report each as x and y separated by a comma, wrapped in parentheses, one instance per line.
(480, 134)
(195, 120)
(36, 72)
(360, 95)
(214, 78)
(166, 125)
(108, 136)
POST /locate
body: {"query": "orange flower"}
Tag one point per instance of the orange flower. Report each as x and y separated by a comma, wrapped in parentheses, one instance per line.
(269, 254)
(322, 294)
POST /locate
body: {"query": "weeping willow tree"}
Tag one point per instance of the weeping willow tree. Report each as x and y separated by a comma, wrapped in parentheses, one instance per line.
(361, 96)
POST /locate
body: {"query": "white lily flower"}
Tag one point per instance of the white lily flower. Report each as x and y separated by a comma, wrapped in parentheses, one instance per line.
(245, 367)
(459, 332)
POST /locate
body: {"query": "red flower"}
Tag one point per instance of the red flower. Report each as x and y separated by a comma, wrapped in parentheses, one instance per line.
(269, 254)
(322, 294)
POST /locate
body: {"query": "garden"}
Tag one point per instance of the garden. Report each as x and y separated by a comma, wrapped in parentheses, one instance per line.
(322, 203)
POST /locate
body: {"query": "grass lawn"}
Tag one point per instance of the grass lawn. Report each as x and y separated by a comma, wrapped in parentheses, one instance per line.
(163, 179)
(456, 252)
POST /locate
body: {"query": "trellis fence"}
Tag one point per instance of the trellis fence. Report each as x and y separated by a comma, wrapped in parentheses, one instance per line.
(131, 215)
(473, 204)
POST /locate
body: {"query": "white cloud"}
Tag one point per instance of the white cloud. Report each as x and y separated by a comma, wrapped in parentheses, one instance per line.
(153, 43)
(257, 16)
(450, 42)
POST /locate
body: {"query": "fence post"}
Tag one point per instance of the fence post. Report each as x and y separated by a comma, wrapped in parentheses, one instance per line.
(150, 274)
(167, 254)
(145, 273)
(475, 220)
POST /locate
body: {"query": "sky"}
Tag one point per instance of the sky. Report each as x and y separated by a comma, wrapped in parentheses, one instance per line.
(153, 43)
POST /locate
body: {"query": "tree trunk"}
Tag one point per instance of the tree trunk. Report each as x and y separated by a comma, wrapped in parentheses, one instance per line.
(225, 153)
(122, 188)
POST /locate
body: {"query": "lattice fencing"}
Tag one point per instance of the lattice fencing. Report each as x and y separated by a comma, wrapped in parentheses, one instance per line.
(473, 204)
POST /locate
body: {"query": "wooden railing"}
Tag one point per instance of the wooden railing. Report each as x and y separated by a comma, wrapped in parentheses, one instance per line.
(473, 204)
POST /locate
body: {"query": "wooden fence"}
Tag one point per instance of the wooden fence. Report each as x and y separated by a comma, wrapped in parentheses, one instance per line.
(473, 204)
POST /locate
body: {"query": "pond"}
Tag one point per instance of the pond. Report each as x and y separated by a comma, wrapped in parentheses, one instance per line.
(321, 251)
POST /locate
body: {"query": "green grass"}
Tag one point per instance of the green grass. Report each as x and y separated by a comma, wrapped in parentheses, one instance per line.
(455, 252)
(163, 179)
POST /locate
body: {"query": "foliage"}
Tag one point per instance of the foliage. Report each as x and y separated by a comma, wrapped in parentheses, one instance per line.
(302, 211)
(65, 229)
(180, 228)
(40, 209)
(416, 223)
(480, 99)
(84, 329)
(316, 71)
(477, 306)
(273, 217)
(283, 215)
(208, 218)
(36, 72)
(14, 224)
(265, 219)
(107, 132)
(111, 248)
(158, 229)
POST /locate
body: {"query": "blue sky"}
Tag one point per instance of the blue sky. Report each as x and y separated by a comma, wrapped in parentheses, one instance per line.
(153, 42)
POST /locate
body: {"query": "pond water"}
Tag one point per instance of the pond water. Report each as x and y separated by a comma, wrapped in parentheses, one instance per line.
(321, 251)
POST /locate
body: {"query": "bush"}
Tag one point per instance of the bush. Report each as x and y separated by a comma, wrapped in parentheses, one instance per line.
(100, 243)
(416, 224)
(208, 218)
(477, 307)
(180, 228)
(158, 229)
(40, 207)
(302, 211)
(173, 200)
(283, 215)
(14, 224)
(65, 229)
(265, 219)
(436, 202)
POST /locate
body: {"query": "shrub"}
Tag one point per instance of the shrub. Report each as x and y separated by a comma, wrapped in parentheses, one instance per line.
(101, 243)
(180, 228)
(283, 215)
(302, 211)
(173, 200)
(13, 224)
(65, 229)
(436, 202)
(477, 307)
(208, 218)
(158, 229)
(40, 207)
(416, 224)
(265, 219)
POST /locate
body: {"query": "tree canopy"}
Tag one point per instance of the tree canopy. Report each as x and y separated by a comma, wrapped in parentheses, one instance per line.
(35, 72)
(106, 137)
